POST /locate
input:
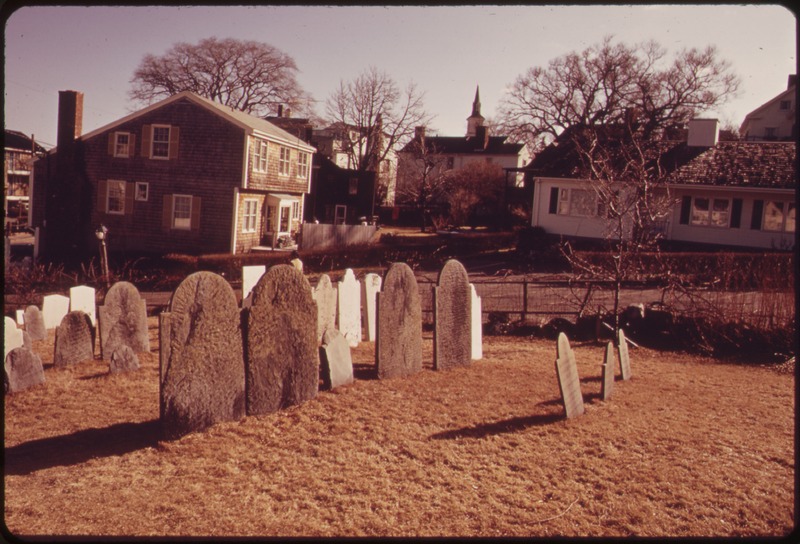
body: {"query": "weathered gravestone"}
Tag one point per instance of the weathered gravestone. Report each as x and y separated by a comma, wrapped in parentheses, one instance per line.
(250, 277)
(452, 318)
(82, 298)
(324, 295)
(624, 359)
(123, 320)
(282, 357)
(34, 323)
(398, 343)
(201, 360)
(369, 289)
(608, 372)
(23, 369)
(12, 337)
(568, 381)
(54, 308)
(124, 359)
(349, 306)
(477, 325)
(336, 363)
(74, 340)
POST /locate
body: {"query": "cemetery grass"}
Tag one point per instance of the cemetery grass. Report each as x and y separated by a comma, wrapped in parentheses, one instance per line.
(686, 447)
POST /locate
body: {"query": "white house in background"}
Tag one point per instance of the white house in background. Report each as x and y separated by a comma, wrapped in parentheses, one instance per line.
(729, 193)
(776, 120)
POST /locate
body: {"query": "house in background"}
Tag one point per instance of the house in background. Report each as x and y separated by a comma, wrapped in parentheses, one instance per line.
(20, 152)
(776, 120)
(184, 175)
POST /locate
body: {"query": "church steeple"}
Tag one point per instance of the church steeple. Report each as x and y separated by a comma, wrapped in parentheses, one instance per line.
(476, 119)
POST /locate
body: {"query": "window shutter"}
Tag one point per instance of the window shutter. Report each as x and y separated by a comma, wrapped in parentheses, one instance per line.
(111, 142)
(166, 217)
(131, 145)
(130, 192)
(553, 200)
(736, 213)
(102, 188)
(686, 210)
(174, 138)
(195, 222)
(146, 135)
(758, 213)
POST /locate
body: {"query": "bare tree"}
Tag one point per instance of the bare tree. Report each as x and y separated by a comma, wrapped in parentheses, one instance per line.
(475, 190)
(249, 76)
(423, 178)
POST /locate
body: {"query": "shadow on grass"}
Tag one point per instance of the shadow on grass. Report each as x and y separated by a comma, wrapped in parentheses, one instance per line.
(80, 446)
(511, 425)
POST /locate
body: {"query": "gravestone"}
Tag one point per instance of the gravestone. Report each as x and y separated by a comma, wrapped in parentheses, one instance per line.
(452, 318)
(281, 357)
(201, 365)
(23, 369)
(398, 344)
(20, 317)
(34, 323)
(336, 363)
(568, 381)
(250, 277)
(477, 325)
(608, 372)
(74, 340)
(54, 308)
(324, 295)
(124, 359)
(624, 359)
(369, 289)
(123, 320)
(12, 337)
(26, 340)
(82, 298)
(349, 308)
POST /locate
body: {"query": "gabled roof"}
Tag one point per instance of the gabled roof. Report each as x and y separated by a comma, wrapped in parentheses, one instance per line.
(759, 110)
(460, 145)
(249, 123)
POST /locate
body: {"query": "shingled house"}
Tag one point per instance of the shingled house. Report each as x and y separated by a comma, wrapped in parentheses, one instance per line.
(185, 175)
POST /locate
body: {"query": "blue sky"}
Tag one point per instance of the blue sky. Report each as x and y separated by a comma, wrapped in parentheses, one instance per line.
(445, 51)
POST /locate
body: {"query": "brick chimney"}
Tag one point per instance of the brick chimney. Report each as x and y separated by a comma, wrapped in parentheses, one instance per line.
(419, 133)
(792, 81)
(703, 133)
(70, 125)
(481, 137)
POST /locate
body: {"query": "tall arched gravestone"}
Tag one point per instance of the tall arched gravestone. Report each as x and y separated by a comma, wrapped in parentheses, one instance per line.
(201, 359)
(568, 381)
(452, 318)
(281, 354)
(369, 289)
(608, 372)
(398, 343)
(624, 358)
(336, 364)
(34, 323)
(325, 295)
(74, 340)
(349, 304)
(122, 320)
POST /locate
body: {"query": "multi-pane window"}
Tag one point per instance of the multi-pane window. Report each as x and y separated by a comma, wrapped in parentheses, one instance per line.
(260, 156)
(710, 212)
(295, 210)
(577, 202)
(182, 212)
(142, 191)
(779, 216)
(160, 143)
(122, 142)
(250, 215)
(283, 163)
(302, 165)
(115, 197)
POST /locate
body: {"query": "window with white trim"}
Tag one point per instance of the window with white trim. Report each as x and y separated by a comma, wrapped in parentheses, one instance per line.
(250, 215)
(295, 210)
(122, 142)
(710, 212)
(779, 216)
(577, 202)
(142, 191)
(160, 142)
(182, 212)
(283, 163)
(302, 165)
(115, 197)
(260, 156)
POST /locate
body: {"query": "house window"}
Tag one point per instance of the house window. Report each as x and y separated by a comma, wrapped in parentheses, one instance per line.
(160, 149)
(283, 163)
(284, 218)
(260, 156)
(785, 104)
(710, 212)
(182, 212)
(122, 141)
(302, 166)
(353, 187)
(142, 191)
(250, 215)
(295, 210)
(115, 197)
(779, 216)
(770, 132)
(577, 202)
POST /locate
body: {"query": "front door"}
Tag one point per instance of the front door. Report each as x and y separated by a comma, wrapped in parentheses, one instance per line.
(339, 214)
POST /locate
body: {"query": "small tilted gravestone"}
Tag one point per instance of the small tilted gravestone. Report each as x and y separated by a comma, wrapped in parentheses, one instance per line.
(324, 295)
(477, 325)
(369, 289)
(54, 308)
(82, 298)
(609, 361)
(336, 363)
(23, 369)
(74, 340)
(250, 277)
(398, 344)
(282, 354)
(201, 372)
(568, 381)
(34, 323)
(123, 320)
(124, 359)
(12, 337)
(624, 358)
(349, 308)
(452, 318)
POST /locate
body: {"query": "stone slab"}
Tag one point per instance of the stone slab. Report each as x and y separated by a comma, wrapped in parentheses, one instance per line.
(349, 308)
(609, 361)
(326, 296)
(336, 363)
(398, 344)
(74, 341)
(54, 308)
(12, 337)
(250, 277)
(452, 318)
(568, 380)
(369, 290)
(123, 320)
(476, 324)
(624, 358)
(82, 298)
(23, 369)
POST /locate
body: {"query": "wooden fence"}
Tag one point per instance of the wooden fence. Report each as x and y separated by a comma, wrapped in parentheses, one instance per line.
(322, 236)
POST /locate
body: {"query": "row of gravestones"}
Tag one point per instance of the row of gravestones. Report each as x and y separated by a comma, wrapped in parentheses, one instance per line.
(219, 362)
(121, 322)
(567, 371)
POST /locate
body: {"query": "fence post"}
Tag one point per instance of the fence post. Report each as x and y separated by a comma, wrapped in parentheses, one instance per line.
(524, 299)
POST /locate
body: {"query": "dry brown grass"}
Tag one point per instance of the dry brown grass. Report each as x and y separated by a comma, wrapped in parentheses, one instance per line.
(687, 447)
